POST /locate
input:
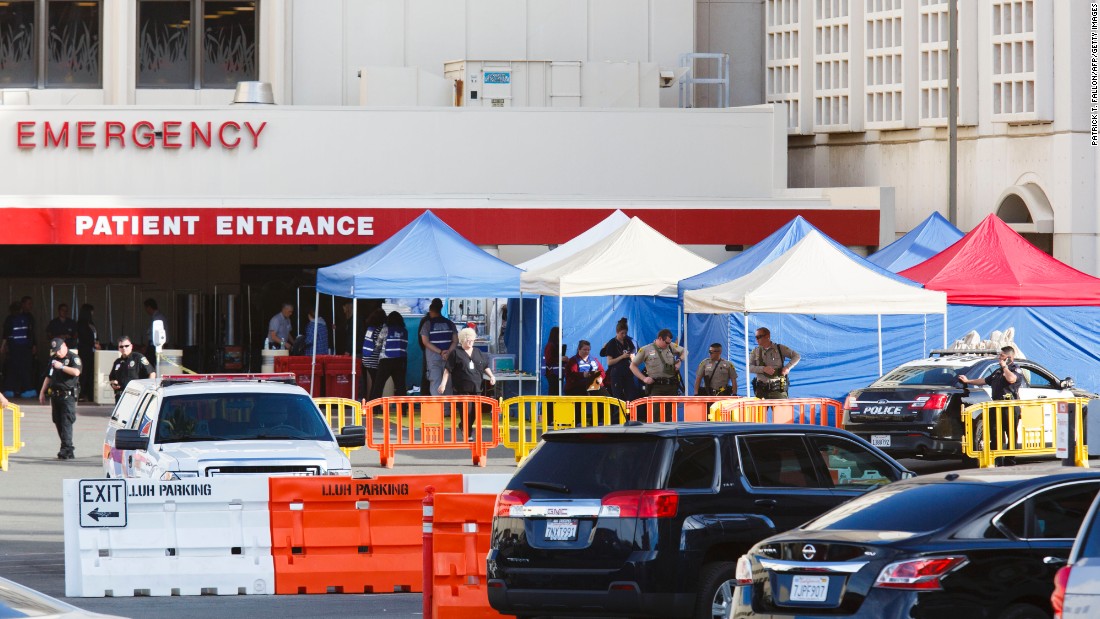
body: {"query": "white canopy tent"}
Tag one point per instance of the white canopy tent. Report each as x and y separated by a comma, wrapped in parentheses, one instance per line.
(814, 277)
(633, 260)
(584, 240)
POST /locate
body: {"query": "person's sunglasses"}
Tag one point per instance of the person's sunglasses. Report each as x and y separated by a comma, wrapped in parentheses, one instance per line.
(125, 345)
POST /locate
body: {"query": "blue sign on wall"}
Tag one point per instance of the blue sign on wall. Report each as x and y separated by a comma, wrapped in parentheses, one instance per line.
(497, 77)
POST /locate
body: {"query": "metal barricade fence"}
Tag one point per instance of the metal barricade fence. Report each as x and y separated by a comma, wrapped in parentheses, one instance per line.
(525, 418)
(673, 408)
(813, 411)
(10, 440)
(433, 422)
(1001, 428)
(341, 412)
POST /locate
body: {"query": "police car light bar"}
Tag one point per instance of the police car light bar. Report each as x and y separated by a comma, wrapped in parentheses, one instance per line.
(275, 377)
(962, 352)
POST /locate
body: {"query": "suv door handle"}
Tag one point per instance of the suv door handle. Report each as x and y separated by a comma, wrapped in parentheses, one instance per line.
(764, 502)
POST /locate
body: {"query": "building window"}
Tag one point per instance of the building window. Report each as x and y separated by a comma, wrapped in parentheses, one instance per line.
(225, 33)
(51, 44)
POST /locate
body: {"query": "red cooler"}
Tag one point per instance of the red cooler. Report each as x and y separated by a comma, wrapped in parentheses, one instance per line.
(338, 377)
(304, 372)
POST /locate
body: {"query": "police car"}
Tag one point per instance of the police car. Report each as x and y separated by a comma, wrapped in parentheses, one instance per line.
(915, 409)
(178, 427)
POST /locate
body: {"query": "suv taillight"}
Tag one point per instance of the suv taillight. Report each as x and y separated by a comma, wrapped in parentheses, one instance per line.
(641, 504)
(930, 402)
(1058, 597)
(851, 403)
(918, 574)
(507, 499)
(743, 574)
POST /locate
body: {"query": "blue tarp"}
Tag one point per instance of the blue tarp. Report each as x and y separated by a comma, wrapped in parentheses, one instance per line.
(819, 335)
(588, 318)
(427, 258)
(932, 236)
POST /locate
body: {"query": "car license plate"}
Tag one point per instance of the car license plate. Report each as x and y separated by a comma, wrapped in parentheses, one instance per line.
(810, 588)
(880, 440)
(561, 529)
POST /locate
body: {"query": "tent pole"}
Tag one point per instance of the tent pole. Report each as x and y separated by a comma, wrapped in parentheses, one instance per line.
(354, 331)
(945, 329)
(519, 362)
(538, 344)
(561, 338)
(879, 317)
(313, 364)
(685, 365)
(748, 373)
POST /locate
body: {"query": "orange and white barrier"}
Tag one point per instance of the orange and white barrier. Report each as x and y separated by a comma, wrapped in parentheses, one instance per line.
(433, 422)
(673, 408)
(814, 411)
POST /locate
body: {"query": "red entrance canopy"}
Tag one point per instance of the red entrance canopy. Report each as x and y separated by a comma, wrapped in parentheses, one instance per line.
(994, 266)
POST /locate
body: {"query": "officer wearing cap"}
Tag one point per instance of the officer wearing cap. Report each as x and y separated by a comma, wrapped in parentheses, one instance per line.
(61, 383)
(662, 365)
(130, 365)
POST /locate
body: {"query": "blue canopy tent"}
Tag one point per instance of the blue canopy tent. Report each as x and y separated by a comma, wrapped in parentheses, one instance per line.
(427, 258)
(810, 334)
(929, 238)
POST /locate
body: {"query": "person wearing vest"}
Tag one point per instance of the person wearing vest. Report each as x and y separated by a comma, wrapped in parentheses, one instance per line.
(1004, 383)
(372, 349)
(766, 362)
(440, 337)
(19, 343)
(715, 374)
(662, 365)
(619, 352)
(63, 384)
(585, 376)
(463, 373)
(392, 360)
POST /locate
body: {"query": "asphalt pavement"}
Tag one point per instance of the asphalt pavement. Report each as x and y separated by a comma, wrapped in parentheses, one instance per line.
(32, 537)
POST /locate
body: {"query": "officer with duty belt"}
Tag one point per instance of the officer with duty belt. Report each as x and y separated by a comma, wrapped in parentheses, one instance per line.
(662, 365)
(62, 384)
(766, 362)
(130, 365)
(1005, 383)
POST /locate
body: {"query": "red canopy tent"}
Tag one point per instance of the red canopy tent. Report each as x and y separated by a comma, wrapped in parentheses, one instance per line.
(994, 266)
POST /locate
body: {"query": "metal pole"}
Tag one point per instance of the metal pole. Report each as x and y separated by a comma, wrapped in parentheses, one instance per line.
(354, 331)
(561, 338)
(952, 111)
(538, 344)
(519, 331)
(313, 365)
(748, 373)
(879, 316)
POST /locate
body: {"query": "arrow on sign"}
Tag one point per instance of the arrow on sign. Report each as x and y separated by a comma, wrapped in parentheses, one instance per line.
(95, 514)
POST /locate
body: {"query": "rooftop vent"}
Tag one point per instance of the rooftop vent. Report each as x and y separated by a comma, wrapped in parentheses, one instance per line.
(254, 92)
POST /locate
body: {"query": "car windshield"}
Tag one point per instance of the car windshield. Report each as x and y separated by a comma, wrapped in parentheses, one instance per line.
(904, 508)
(589, 467)
(239, 416)
(936, 375)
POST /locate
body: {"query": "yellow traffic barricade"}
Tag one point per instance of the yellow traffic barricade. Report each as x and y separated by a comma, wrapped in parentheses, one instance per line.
(523, 419)
(341, 412)
(1010, 428)
(10, 440)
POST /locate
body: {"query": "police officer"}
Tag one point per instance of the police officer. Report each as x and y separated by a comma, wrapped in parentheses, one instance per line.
(1004, 384)
(662, 365)
(440, 337)
(766, 361)
(62, 382)
(715, 374)
(130, 365)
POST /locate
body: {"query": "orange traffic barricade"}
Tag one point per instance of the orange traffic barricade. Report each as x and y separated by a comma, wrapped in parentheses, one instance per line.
(461, 530)
(347, 535)
(433, 422)
(672, 408)
(814, 411)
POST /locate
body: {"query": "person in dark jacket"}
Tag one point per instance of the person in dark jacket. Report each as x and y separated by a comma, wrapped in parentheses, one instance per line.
(88, 342)
(392, 362)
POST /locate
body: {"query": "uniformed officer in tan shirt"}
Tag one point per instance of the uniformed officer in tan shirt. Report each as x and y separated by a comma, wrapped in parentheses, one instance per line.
(662, 364)
(715, 374)
(766, 362)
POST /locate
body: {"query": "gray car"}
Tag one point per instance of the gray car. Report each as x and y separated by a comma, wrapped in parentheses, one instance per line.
(1077, 585)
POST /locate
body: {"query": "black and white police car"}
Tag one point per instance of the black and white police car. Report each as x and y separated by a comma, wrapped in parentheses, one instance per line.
(177, 427)
(915, 409)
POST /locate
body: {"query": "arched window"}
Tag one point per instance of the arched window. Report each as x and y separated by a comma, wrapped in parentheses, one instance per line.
(1026, 209)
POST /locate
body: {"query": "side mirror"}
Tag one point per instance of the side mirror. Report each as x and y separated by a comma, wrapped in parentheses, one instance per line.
(352, 436)
(907, 474)
(1067, 383)
(129, 440)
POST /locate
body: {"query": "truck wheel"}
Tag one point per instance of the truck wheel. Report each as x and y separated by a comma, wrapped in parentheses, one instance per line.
(716, 590)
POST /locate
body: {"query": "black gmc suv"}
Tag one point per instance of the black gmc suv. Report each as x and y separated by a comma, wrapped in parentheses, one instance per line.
(649, 519)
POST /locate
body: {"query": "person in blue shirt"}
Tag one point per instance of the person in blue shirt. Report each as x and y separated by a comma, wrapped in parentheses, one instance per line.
(317, 331)
(20, 347)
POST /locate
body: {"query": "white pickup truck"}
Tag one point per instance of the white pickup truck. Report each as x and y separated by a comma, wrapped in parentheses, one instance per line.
(177, 427)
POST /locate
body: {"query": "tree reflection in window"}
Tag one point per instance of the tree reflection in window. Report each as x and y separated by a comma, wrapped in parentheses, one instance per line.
(229, 44)
(17, 65)
(164, 45)
(73, 49)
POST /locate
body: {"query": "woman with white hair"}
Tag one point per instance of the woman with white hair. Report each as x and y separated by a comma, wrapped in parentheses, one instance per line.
(465, 366)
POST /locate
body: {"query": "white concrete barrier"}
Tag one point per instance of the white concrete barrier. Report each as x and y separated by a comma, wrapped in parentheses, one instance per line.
(202, 536)
(484, 483)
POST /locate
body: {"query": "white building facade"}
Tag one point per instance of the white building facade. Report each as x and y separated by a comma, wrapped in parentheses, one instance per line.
(866, 87)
